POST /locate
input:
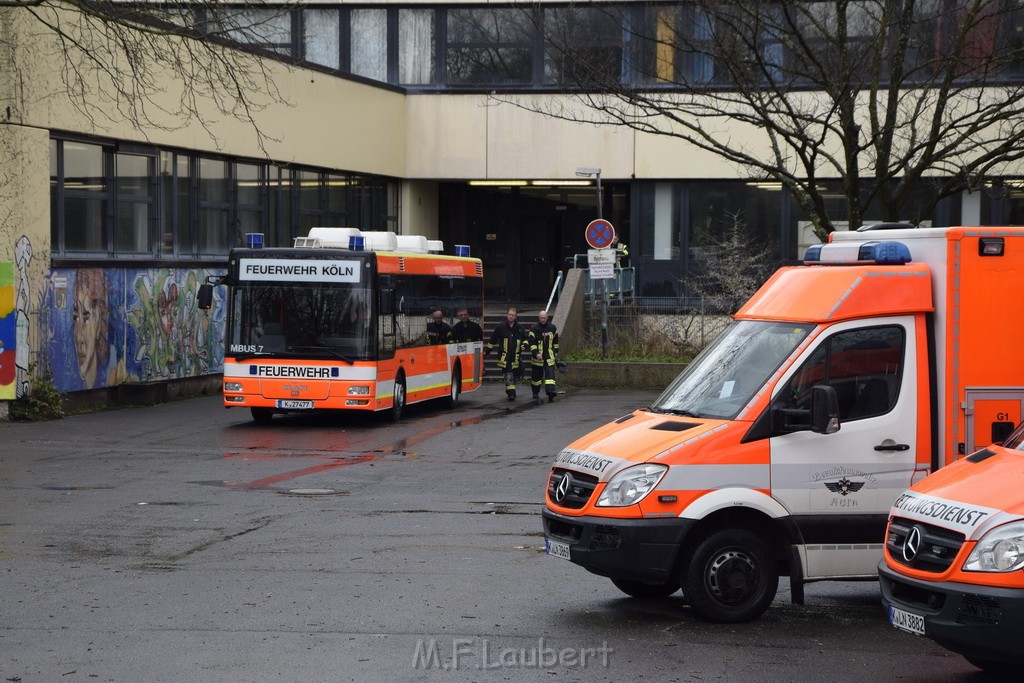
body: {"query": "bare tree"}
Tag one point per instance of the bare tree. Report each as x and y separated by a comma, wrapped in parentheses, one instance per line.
(887, 96)
(731, 268)
(117, 59)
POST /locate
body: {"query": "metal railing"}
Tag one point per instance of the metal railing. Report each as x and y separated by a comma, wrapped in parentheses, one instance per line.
(556, 291)
(620, 287)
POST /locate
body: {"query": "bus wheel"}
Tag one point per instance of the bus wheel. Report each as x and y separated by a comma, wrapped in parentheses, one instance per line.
(638, 589)
(398, 402)
(262, 415)
(456, 388)
(731, 577)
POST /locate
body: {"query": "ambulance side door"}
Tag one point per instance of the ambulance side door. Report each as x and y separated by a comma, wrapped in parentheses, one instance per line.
(839, 487)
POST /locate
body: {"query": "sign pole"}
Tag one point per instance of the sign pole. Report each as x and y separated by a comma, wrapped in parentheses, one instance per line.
(604, 282)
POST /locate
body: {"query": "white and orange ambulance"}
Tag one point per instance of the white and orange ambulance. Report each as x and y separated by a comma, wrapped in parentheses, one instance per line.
(781, 448)
(954, 557)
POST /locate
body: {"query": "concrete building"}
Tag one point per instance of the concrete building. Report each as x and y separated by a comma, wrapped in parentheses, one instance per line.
(397, 116)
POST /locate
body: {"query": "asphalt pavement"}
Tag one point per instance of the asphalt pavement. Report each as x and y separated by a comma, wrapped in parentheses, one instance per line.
(185, 542)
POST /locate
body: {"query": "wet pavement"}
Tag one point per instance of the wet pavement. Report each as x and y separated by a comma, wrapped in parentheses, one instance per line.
(184, 541)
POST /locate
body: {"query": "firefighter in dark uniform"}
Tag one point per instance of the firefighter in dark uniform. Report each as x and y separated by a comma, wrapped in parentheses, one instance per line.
(466, 330)
(508, 338)
(543, 340)
(438, 331)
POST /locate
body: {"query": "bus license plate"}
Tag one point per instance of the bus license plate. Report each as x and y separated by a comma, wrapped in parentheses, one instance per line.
(906, 621)
(295, 405)
(556, 549)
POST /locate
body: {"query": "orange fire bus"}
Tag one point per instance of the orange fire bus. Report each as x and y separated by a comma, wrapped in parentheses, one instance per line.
(339, 321)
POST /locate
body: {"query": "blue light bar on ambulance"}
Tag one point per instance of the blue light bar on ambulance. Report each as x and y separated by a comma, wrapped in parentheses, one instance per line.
(877, 253)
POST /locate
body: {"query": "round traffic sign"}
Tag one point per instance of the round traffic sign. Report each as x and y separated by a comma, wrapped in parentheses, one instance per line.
(600, 233)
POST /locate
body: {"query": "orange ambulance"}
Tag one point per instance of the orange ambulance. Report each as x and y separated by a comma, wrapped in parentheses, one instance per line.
(954, 557)
(780, 449)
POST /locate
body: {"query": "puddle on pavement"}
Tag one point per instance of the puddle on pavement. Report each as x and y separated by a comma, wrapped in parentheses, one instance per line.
(63, 487)
(336, 459)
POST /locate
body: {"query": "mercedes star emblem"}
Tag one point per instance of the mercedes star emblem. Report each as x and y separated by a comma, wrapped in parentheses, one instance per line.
(912, 544)
(563, 488)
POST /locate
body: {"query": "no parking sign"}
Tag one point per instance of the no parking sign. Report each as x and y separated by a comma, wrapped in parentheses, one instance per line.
(599, 234)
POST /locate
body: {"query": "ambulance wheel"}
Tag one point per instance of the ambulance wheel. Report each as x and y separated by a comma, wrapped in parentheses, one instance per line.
(994, 667)
(262, 415)
(731, 578)
(456, 388)
(638, 589)
(398, 401)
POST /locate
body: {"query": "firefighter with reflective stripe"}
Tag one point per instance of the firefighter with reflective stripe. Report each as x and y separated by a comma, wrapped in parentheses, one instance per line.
(508, 336)
(438, 331)
(543, 339)
(621, 252)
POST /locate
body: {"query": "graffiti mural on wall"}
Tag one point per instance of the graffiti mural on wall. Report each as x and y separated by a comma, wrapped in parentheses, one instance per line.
(8, 370)
(108, 326)
(22, 256)
(168, 336)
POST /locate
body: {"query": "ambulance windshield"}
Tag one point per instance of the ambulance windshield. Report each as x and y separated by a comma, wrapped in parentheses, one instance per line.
(724, 377)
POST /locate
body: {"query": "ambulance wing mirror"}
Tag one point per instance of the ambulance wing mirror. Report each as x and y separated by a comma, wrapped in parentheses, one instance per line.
(824, 409)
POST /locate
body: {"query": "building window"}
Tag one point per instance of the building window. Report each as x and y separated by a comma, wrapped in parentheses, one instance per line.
(110, 200)
(321, 37)
(267, 29)
(250, 190)
(660, 214)
(178, 215)
(134, 182)
(370, 43)
(716, 206)
(86, 197)
(214, 207)
(416, 46)
(587, 47)
(489, 46)
(281, 223)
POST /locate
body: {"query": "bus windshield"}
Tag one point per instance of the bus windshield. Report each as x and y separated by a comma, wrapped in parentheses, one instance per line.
(724, 377)
(308, 320)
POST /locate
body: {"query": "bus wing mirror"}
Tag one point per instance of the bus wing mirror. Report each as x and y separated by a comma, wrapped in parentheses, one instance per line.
(824, 409)
(205, 300)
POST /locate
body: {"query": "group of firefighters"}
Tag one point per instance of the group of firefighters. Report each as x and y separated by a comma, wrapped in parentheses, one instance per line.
(510, 339)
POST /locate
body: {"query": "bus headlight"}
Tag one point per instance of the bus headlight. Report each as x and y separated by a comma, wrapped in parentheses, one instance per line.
(358, 391)
(1000, 550)
(631, 485)
(232, 386)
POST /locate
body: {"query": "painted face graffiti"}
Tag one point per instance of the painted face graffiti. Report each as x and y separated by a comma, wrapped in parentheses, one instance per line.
(90, 321)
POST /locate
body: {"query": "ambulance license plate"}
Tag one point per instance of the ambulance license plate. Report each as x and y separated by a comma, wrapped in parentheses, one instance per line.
(906, 621)
(295, 405)
(556, 549)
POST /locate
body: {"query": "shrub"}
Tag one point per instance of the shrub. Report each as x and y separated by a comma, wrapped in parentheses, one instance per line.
(42, 402)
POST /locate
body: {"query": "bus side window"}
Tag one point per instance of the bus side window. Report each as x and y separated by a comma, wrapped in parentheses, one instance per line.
(387, 336)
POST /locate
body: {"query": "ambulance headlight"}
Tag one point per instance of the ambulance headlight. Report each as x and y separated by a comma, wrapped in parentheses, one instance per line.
(631, 485)
(1000, 550)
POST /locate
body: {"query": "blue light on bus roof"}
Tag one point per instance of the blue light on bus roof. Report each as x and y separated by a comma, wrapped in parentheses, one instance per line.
(878, 253)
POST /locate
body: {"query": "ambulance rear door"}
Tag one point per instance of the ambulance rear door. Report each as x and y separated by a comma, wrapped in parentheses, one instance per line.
(839, 487)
